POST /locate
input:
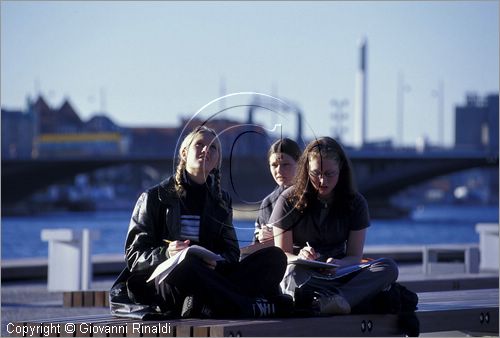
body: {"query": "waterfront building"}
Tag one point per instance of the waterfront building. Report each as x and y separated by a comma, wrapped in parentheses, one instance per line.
(17, 134)
(476, 123)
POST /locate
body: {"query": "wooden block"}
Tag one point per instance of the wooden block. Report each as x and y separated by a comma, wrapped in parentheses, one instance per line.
(200, 331)
(67, 299)
(216, 331)
(65, 333)
(107, 329)
(106, 299)
(52, 329)
(77, 299)
(99, 298)
(132, 330)
(161, 329)
(35, 328)
(333, 326)
(183, 331)
(167, 330)
(88, 298)
(115, 330)
(67, 330)
(480, 319)
(84, 329)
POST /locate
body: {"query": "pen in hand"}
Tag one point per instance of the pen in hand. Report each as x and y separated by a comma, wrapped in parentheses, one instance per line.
(308, 252)
(312, 252)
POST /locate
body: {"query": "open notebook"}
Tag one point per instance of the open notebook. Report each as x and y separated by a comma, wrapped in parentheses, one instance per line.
(166, 267)
(339, 270)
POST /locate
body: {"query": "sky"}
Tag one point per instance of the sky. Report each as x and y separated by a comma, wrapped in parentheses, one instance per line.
(151, 63)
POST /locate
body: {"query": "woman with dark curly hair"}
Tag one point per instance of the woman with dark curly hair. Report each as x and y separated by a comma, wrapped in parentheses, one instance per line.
(322, 217)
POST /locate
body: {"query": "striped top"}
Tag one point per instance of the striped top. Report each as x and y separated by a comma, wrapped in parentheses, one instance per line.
(190, 227)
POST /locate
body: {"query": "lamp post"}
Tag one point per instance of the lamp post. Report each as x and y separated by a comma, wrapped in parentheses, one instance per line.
(339, 117)
(439, 94)
(402, 89)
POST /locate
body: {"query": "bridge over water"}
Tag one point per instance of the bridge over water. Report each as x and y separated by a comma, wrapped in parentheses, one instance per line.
(379, 174)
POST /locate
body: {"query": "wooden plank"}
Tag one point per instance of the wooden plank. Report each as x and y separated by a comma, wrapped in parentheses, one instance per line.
(67, 299)
(216, 331)
(480, 320)
(467, 310)
(135, 330)
(77, 299)
(146, 329)
(344, 326)
(83, 329)
(34, 329)
(51, 330)
(88, 298)
(109, 329)
(201, 331)
(115, 330)
(64, 332)
(168, 330)
(183, 331)
(99, 298)
(450, 284)
(460, 299)
(157, 329)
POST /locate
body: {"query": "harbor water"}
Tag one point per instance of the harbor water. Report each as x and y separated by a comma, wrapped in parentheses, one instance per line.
(426, 225)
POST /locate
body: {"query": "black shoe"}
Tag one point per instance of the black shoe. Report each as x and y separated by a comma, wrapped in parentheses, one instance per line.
(303, 301)
(192, 308)
(333, 304)
(278, 306)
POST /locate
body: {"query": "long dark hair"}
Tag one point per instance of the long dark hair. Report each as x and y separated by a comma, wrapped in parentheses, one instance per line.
(304, 192)
(285, 146)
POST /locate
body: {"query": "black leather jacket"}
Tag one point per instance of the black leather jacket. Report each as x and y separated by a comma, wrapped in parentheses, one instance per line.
(156, 217)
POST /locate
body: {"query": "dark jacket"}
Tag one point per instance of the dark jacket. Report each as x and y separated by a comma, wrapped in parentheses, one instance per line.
(156, 217)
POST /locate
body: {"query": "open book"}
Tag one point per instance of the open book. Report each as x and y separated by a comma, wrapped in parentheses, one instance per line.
(166, 267)
(339, 270)
(313, 264)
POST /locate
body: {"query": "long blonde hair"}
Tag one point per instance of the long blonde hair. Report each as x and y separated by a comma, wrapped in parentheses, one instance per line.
(181, 166)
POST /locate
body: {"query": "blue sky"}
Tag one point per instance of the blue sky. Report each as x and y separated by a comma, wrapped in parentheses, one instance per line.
(157, 61)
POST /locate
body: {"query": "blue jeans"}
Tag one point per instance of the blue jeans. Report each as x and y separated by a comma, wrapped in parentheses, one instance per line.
(354, 287)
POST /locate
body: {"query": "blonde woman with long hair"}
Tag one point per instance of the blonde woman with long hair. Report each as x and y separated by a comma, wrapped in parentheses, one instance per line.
(185, 209)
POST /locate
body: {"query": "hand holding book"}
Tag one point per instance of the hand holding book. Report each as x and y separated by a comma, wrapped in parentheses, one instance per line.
(175, 247)
(167, 266)
(308, 257)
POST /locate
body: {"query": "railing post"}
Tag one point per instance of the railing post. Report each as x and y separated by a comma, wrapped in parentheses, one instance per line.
(70, 259)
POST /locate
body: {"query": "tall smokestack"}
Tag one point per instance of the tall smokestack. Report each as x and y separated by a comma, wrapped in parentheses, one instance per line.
(360, 102)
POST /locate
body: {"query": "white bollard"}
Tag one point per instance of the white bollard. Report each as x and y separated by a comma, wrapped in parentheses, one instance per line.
(70, 258)
(488, 246)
